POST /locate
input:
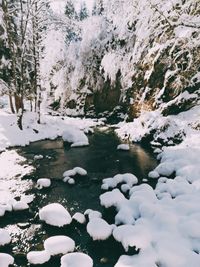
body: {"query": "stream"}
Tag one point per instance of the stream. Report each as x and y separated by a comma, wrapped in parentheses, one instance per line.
(101, 160)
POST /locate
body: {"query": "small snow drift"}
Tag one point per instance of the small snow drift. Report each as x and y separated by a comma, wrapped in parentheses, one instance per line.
(38, 257)
(4, 237)
(55, 214)
(76, 260)
(75, 171)
(99, 229)
(56, 245)
(6, 260)
(43, 182)
(125, 147)
(75, 136)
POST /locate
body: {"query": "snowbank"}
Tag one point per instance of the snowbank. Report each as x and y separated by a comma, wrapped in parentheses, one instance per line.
(55, 214)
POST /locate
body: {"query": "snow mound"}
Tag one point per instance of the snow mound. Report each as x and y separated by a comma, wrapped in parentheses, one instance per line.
(75, 136)
(6, 260)
(55, 214)
(4, 237)
(76, 259)
(99, 229)
(43, 182)
(113, 198)
(125, 147)
(38, 257)
(79, 217)
(59, 245)
(126, 178)
(75, 171)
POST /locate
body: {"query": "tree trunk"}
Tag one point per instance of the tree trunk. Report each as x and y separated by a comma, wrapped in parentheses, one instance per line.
(11, 104)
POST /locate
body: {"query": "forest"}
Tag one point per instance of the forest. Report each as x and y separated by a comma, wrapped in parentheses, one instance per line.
(99, 133)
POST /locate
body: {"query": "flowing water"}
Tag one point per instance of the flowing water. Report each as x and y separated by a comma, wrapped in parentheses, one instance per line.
(101, 160)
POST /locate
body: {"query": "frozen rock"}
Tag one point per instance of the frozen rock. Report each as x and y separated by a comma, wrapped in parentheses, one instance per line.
(93, 214)
(56, 245)
(4, 237)
(43, 182)
(55, 214)
(6, 260)
(99, 229)
(76, 259)
(38, 257)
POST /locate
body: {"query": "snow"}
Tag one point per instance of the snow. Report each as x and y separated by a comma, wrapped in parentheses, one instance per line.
(43, 182)
(75, 171)
(76, 259)
(71, 181)
(79, 217)
(55, 214)
(113, 198)
(20, 205)
(153, 174)
(4, 237)
(38, 157)
(10, 135)
(56, 245)
(38, 257)
(99, 229)
(92, 214)
(123, 147)
(75, 137)
(127, 178)
(6, 260)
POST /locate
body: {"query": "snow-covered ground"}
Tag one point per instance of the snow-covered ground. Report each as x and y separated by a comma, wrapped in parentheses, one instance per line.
(50, 128)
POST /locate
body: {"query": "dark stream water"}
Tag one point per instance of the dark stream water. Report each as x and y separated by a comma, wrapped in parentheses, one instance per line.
(101, 160)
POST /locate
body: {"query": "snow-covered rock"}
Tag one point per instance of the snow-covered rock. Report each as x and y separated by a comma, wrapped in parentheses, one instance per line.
(38, 157)
(4, 237)
(112, 198)
(38, 257)
(75, 136)
(125, 147)
(92, 214)
(43, 182)
(126, 178)
(6, 260)
(71, 181)
(99, 229)
(153, 175)
(55, 214)
(56, 245)
(79, 217)
(76, 259)
(69, 173)
(80, 171)
(20, 205)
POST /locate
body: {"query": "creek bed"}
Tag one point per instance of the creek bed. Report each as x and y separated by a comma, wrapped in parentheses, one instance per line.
(101, 160)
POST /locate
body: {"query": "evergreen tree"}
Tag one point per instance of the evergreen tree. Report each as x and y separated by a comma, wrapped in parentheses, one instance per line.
(83, 14)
